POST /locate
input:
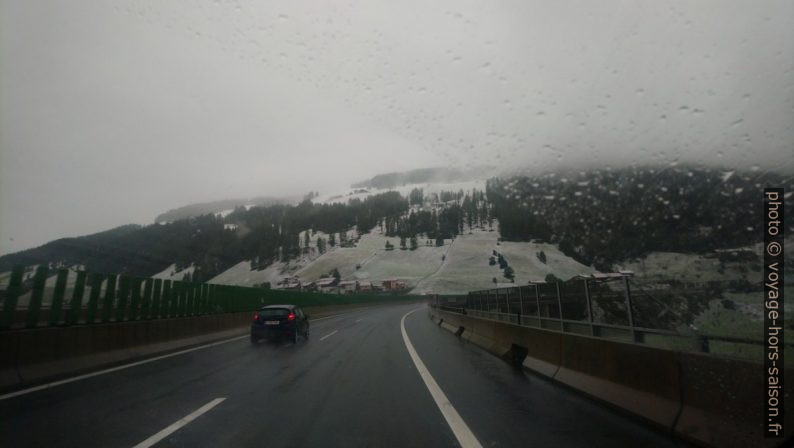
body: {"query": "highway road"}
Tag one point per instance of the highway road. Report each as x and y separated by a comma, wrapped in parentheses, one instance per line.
(354, 382)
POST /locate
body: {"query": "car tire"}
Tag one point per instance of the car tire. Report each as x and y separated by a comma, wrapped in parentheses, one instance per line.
(254, 339)
(306, 333)
(295, 336)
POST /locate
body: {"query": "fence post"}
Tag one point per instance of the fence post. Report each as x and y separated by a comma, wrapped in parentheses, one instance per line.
(158, 297)
(187, 304)
(205, 293)
(184, 296)
(34, 308)
(194, 298)
(146, 299)
(135, 301)
(110, 297)
(93, 298)
(197, 299)
(76, 306)
(559, 305)
(520, 302)
(703, 343)
(56, 307)
(537, 300)
(210, 292)
(165, 299)
(629, 310)
(187, 297)
(176, 289)
(589, 307)
(12, 296)
(124, 295)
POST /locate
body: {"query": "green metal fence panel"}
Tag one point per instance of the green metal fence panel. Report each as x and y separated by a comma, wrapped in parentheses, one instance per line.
(93, 299)
(223, 293)
(156, 298)
(76, 305)
(146, 299)
(124, 296)
(168, 294)
(189, 298)
(176, 298)
(196, 299)
(210, 306)
(34, 307)
(110, 297)
(173, 290)
(188, 305)
(205, 298)
(12, 297)
(56, 307)
(135, 299)
(199, 308)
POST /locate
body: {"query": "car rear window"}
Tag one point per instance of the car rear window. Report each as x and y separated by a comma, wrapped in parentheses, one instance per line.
(274, 312)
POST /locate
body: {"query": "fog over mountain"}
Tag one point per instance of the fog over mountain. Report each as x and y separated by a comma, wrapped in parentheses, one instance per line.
(112, 113)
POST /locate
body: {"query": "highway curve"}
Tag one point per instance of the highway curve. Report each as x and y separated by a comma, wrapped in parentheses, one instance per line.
(353, 383)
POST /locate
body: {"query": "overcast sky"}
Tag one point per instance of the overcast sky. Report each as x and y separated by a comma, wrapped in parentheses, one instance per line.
(112, 112)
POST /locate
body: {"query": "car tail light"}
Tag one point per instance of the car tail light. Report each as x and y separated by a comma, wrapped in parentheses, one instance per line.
(256, 317)
(291, 316)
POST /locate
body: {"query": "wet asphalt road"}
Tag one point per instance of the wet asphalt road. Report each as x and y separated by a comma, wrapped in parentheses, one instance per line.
(356, 387)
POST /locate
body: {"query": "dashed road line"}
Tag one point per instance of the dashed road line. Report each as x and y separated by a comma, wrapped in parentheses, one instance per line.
(151, 441)
(329, 334)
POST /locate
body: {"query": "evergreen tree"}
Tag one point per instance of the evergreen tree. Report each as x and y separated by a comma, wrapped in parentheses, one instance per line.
(551, 278)
(402, 243)
(416, 197)
(414, 243)
(332, 240)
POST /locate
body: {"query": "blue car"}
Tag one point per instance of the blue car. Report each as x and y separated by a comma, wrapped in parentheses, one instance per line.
(279, 321)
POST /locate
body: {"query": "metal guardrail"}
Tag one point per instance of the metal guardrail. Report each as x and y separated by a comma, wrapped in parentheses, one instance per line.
(546, 306)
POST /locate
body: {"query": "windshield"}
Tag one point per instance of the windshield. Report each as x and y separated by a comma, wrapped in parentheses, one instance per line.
(508, 224)
(274, 312)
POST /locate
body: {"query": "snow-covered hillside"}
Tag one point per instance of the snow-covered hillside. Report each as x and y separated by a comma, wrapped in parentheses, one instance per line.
(461, 265)
(404, 190)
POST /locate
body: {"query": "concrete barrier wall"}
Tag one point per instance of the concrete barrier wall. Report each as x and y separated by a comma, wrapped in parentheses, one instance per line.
(42, 354)
(707, 400)
(38, 355)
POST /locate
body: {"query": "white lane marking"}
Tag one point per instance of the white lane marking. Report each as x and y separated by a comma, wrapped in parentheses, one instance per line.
(358, 320)
(327, 317)
(114, 369)
(462, 432)
(354, 311)
(329, 334)
(151, 441)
